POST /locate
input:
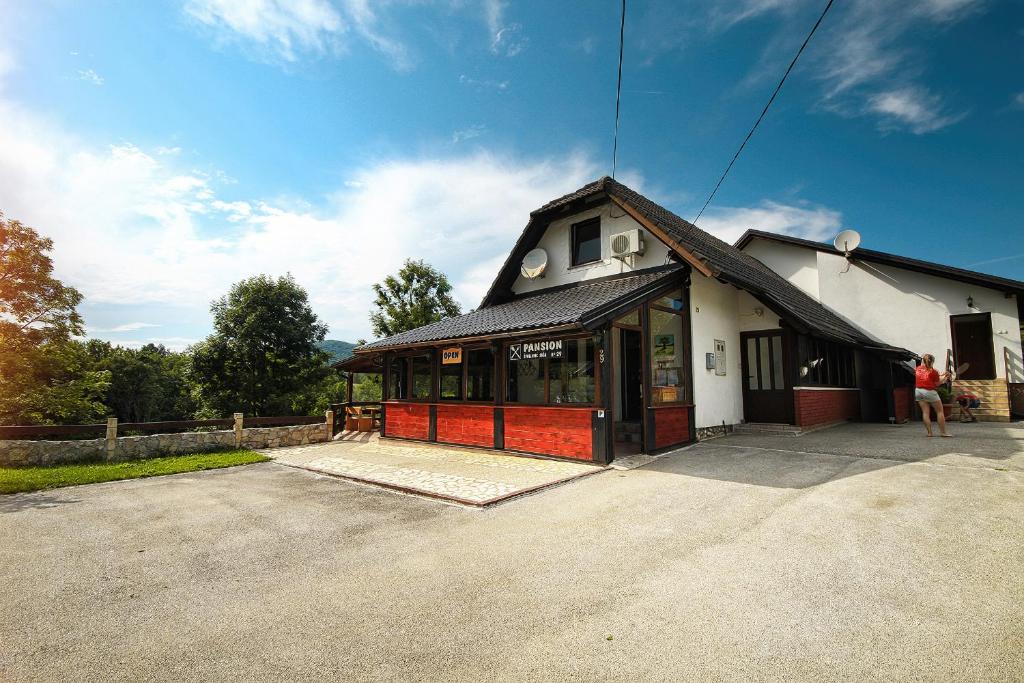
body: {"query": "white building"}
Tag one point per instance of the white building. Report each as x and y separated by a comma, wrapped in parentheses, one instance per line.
(959, 316)
(616, 326)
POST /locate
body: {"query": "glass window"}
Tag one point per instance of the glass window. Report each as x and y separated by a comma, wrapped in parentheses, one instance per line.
(631, 318)
(752, 363)
(572, 375)
(526, 380)
(420, 377)
(668, 357)
(479, 374)
(397, 378)
(451, 382)
(586, 242)
(778, 382)
(672, 300)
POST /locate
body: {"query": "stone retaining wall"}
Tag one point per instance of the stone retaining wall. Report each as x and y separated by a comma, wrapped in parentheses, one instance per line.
(42, 453)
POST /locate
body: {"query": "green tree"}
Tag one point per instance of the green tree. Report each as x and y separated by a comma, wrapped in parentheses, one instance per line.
(263, 356)
(146, 384)
(45, 376)
(419, 295)
(35, 307)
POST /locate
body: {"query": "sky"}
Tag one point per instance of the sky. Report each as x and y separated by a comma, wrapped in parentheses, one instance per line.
(171, 148)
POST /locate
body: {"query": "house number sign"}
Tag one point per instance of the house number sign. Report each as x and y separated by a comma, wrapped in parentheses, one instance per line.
(451, 356)
(551, 348)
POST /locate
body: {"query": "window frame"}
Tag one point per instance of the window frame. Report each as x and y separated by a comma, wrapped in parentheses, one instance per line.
(596, 403)
(838, 369)
(573, 237)
(684, 315)
(464, 376)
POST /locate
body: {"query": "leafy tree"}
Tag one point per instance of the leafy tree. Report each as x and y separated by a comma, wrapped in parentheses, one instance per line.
(263, 356)
(52, 383)
(45, 376)
(419, 295)
(35, 307)
(146, 384)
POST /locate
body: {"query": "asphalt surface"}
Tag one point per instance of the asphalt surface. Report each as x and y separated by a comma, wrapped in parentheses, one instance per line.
(732, 559)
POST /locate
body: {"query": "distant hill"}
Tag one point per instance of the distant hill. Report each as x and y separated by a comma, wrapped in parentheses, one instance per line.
(339, 350)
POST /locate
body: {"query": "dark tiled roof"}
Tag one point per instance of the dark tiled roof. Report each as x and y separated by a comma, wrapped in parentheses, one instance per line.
(726, 261)
(936, 269)
(571, 305)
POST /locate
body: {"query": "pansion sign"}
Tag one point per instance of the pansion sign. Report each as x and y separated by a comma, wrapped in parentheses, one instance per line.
(551, 348)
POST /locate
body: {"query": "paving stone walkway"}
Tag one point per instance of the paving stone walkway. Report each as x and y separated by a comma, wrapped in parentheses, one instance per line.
(466, 476)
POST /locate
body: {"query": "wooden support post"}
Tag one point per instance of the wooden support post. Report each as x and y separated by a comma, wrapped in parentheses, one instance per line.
(348, 390)
(239, 420)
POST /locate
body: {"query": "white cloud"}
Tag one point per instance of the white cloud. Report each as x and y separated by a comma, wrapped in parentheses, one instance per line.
(483, 84)
(914, 108)
(1018, 101)
(126, 327)
(287, 27)
(468, 133)
(134, 228)
(507, 38)
(290, 29)
(809, 222)
(90, 76)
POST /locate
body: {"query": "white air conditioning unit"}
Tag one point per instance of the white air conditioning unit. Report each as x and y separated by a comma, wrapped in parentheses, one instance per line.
(627, 243)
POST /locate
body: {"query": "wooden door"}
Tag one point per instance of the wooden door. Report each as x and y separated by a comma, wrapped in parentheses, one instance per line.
(972, 343)
(766, 395)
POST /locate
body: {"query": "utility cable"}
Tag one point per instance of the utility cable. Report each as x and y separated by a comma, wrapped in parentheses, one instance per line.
(764, 111)
(618, 90)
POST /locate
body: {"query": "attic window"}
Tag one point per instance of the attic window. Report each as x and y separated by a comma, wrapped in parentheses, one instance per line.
(586, 242)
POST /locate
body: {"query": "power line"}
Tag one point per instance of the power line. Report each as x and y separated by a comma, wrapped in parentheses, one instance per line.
(618, 90)
(765, 110)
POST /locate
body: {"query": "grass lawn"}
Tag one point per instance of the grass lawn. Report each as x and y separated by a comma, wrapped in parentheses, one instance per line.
(21, 479)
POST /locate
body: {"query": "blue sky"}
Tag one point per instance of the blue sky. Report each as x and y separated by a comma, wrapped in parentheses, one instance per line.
(172, 148)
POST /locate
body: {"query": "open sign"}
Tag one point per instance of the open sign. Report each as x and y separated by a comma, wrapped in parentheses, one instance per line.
(451, 356)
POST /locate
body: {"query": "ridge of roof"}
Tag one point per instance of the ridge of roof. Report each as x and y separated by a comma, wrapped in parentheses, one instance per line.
(930, 267)
(723, 260)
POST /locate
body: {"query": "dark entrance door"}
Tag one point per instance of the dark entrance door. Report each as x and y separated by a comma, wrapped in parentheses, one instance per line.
(972, 343)
(632, 377)
(766, 397)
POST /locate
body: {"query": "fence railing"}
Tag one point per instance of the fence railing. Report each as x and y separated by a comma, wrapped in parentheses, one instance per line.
(340, 413)
(111, 428)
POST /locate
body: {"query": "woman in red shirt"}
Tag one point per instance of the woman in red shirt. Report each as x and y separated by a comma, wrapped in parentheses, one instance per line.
(927, 381)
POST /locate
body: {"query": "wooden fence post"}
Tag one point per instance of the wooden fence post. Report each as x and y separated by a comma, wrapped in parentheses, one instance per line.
(239, 419)
(111, 436)
(329, 419)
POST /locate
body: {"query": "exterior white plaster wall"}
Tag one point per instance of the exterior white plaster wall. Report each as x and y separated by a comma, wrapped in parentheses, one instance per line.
(798, 265)
(912, 310)
(714, 314)
(557, 242)
(753, 315)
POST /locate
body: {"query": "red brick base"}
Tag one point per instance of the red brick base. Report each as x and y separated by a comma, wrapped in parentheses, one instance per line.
(821, 406)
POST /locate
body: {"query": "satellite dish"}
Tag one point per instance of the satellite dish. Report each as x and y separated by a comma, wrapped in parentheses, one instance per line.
(534, 263)
(847, 241)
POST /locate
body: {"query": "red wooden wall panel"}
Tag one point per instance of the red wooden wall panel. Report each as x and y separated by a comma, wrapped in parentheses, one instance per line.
(407, 420)
(466, 425)
(671, 426)
(550, 431)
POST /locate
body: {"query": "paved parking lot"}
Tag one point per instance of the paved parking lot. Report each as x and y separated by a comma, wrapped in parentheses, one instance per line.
(739, 558)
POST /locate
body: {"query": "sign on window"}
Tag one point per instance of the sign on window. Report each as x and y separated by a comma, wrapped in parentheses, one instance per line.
(451, 356)
(551, 348)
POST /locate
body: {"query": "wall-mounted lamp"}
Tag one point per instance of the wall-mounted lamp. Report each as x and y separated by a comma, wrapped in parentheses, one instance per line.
(970, 302)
